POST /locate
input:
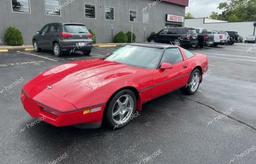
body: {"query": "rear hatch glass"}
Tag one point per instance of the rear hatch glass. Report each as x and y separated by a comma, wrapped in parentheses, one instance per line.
(75, 29)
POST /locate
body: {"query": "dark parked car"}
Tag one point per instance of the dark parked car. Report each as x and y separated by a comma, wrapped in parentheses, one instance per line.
(204, 38)
(185, 37)
(234, 36)
(63, 37)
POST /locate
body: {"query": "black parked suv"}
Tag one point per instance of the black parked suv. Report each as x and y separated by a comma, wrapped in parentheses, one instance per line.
(185, 37)
(63, 37)
(234, 36)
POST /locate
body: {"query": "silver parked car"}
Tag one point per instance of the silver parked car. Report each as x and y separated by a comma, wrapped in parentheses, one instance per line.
(250, 39)
(63, 37)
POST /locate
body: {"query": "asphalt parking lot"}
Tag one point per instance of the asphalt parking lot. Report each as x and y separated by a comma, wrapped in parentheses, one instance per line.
(215, 126)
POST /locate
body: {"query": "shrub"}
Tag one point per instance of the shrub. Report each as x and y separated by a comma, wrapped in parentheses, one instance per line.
(13, 37)
(131, 37)
(94, 35)
(120, 37)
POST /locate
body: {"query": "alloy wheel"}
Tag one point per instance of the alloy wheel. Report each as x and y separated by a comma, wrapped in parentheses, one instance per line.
(56, 49)
(35, 46)
(123, 109)
(195, 81)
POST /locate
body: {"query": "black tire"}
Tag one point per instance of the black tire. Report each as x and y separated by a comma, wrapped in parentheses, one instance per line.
(189, 89)
(57, 52)
(109, 118)
(87, 52)
(36, 46)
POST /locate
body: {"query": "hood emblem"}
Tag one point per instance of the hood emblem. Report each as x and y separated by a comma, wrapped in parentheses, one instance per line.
(49, 87)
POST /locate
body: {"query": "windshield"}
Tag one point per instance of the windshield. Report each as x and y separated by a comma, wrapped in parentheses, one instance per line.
(70, 28)
(144, 57)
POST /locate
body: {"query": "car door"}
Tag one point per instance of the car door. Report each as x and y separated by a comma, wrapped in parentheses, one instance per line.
(51, 35)
(161, 36)
(41, 37)
(168, 80)
(172, 35)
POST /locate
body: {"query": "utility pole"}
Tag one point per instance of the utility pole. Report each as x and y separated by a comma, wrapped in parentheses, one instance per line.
(254, 24)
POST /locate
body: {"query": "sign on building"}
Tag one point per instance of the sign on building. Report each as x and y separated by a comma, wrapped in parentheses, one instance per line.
(174, 18)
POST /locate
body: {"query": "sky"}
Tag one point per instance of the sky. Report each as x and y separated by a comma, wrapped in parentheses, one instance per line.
(203, 8)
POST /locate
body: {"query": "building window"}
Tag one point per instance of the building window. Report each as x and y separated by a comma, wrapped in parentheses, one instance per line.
(109, 13)
(90, 11)
(133, 15)
(21, 6)
(52, 7)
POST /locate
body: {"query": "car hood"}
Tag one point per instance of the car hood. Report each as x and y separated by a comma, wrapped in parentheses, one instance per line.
(72, 81)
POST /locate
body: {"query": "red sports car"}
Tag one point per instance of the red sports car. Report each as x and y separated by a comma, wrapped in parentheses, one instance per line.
(112, 89)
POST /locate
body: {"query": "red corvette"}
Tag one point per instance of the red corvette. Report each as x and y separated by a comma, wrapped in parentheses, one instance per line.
(86, 92)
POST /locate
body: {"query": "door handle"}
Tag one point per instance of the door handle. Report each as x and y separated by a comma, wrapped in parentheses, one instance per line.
(184, 66)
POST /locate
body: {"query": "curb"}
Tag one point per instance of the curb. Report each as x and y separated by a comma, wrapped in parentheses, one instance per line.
(15, 49)
(107, 45)
(30, 48)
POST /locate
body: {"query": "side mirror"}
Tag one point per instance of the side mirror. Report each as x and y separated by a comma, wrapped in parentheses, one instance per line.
(165, 66)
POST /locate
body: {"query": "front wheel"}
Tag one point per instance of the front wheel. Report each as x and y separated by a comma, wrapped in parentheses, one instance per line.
(36, 47)
(194, 82)
(177, 42)
(120, 109)
(87, 52)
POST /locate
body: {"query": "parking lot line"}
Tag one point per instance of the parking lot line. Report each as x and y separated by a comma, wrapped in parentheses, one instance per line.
(43, 57)
(21, 63)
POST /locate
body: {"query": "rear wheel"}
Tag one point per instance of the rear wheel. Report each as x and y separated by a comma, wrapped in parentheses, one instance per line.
(215, 45)
(57, 50)
(194, 82)
(120, 109)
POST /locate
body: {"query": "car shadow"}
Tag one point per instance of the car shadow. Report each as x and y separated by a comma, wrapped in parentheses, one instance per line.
(72, 140)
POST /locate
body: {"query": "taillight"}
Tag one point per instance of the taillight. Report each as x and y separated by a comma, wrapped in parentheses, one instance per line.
(89, 36)
(64, 35)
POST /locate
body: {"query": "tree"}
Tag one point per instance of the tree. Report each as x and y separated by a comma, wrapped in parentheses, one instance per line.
(189, 16)
(214, 15)
(236, 10)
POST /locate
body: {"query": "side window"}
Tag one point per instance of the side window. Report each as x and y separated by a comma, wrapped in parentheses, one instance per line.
(172, 31)
(172, 56)
(182, 31)
(188, 54)
(163, 32)
(45, 29)
(53, 28)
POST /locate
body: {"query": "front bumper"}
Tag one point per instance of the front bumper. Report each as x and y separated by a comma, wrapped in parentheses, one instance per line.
(61, 119)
